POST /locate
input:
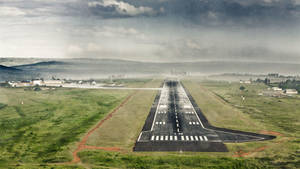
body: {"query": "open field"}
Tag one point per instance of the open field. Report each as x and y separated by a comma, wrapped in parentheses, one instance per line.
(123, 128)
(39, 127)
(220, 102)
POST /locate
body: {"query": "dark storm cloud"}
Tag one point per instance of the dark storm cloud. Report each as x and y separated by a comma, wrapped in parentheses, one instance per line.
(228, 11)
(196, 11)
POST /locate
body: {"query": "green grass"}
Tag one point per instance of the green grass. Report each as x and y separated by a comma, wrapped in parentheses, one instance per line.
(119, 160)
(2, 105)
(123, 128)
(44, 127)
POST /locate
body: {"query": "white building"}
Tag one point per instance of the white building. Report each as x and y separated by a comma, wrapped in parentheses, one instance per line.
(13, 84)
(53, 83)
(276, 89)
(245, 82)
(37, 83)
(291, 91)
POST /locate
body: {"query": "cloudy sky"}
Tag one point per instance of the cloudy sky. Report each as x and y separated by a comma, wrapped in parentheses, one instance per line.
(152, 30)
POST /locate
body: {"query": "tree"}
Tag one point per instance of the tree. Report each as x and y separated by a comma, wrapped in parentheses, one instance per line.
(267, 81)
(242, 88)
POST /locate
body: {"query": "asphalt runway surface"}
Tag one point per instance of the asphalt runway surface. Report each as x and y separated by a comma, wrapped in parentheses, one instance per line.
(176, 123)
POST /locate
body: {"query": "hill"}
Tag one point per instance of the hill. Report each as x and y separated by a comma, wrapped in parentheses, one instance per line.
(82, 68)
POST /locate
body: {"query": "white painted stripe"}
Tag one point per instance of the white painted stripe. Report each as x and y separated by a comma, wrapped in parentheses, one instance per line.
(177, 125)
(166, 138)
(161, 138)
(171, 138)
(201, 138)
(152, 138)
(160, 97)
(156, 122)
(197, 123)
(175, 138)
(193, 123)
(157, 138)
(196, 138)
(164, 122)
(187, 138)
(190, 123)
(140, 136)
(192, 138)
(205, 138)
(182, 138)
(160, 122)
(178, 130)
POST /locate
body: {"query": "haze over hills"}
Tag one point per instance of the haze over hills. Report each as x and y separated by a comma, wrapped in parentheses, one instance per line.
(7, 73)
(102, 68)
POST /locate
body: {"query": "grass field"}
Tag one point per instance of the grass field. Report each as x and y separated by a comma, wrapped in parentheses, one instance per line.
(220, 101)
(40, 127)
(124, 127)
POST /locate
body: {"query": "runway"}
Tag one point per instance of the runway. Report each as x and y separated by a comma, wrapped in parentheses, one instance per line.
(176, 123)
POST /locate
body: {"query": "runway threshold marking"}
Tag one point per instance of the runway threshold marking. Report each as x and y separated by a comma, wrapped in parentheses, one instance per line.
(187, 138)
(192, 138)
(201, 139)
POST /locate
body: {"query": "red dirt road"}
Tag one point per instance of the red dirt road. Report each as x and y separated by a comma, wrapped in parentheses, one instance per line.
(82, 144)
(241, 153)
(271, 133)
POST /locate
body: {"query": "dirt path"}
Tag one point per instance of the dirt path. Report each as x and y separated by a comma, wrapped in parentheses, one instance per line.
(82, 144)
(271, 133)
(241, 153)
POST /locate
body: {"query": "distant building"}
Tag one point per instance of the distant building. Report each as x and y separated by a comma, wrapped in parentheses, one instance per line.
(273, 75)
(276, 89)
(245, 82)
(291, 91)
(13, 84)
(37, 82)
(21, 84)
(53, 83)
